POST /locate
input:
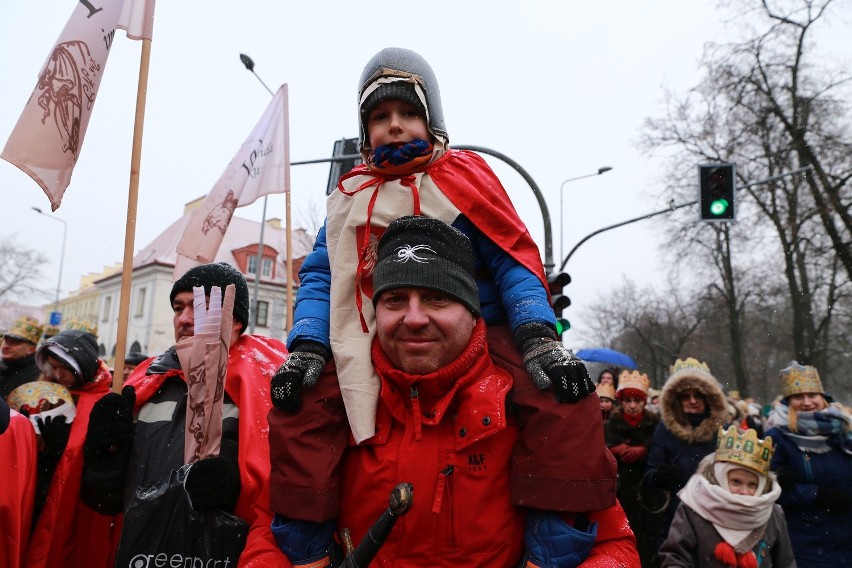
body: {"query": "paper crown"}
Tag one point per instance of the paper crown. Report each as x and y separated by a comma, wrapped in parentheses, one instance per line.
(797, 378)
(605, 390)
(689, 364)
(50, 331)
(38, 396)
(25, 328)
(633, 380)
(82, 325)
(745, 449)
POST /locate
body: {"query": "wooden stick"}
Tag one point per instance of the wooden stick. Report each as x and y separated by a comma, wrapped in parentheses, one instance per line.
(130, 228)
(289, 235)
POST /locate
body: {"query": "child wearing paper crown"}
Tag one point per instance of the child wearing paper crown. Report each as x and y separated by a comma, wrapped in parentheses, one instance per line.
(728, 516)
(410, 169)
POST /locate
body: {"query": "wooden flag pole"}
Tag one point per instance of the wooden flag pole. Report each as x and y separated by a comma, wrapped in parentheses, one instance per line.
(130, 228)
(289, 234)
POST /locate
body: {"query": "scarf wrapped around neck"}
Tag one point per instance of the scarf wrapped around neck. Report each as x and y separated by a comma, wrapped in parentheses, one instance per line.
(401, 160)
(818, 431)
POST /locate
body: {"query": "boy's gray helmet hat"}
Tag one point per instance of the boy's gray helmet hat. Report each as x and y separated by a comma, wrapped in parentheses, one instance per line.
(404, 63)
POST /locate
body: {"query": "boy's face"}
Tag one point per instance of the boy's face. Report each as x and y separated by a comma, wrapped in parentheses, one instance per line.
(395, 122)
(606, 404)
(742, 482)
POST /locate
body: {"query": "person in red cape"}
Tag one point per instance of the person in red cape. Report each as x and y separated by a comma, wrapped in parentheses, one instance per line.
(125, 454)
(17, 446)
(411, 170)
(67, 533)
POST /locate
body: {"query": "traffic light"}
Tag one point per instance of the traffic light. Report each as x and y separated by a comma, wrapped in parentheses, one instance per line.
(556, 281)
(718, 191)
(342, 147)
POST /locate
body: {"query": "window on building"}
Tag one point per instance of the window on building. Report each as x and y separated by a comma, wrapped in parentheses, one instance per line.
(266, 267)
(107, 308)
(262, 315)
(252, 265)
(140, 301)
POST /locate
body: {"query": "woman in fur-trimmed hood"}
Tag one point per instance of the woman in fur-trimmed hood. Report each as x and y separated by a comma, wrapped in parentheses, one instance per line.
(692, 408)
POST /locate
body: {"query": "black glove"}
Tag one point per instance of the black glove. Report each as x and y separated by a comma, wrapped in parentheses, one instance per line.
(54, 432)
(833, 500)
(213, 483)
(785, 479)
(549, 363)
(302, 368)
(669, 478)
(110, 425)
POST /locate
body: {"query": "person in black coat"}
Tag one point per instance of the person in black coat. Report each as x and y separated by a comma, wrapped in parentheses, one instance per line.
(18, 365)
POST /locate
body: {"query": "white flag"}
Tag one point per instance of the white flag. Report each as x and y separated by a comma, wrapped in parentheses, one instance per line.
(47, 139)
(260, 167)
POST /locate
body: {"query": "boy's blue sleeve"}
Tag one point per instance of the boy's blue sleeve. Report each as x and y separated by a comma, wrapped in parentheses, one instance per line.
(312, 311)
(521, 292)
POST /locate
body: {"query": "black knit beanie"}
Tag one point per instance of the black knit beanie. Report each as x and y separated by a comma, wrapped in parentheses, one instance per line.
(419, 252)
(219, 274)
(401, 90)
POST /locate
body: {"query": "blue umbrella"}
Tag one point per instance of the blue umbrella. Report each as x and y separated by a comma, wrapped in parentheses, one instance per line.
(603, 355)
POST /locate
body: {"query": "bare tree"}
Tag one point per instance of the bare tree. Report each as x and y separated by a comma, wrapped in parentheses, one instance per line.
(20, 271)
(763, 105)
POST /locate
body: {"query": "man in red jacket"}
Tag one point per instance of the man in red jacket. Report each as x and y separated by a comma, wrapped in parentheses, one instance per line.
(445, 424)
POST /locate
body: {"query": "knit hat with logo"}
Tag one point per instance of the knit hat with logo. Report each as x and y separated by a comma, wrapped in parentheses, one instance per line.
(419, 252)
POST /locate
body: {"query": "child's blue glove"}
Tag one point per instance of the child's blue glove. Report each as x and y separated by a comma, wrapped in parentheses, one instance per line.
(549, 363)
(304, 543)
(553, 543)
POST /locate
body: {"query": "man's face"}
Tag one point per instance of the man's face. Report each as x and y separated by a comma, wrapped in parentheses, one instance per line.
(184, 318)
(58, 373)
(633, 405)
(421, 330)
(14, 348)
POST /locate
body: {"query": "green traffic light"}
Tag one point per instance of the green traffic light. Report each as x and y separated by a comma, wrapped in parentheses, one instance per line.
(719, 206)
(562, 325)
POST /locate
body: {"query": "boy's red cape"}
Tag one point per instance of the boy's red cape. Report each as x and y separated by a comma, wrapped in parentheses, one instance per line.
(252, 361)
(467, 180)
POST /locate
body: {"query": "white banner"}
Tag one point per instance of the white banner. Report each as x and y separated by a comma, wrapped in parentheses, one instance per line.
(48, 137)
(260, 167)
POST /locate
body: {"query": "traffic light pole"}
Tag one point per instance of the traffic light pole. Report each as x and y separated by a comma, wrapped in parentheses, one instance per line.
(670, 209)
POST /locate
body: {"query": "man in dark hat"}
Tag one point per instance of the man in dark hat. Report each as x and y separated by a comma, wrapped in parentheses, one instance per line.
(131, 361)
(443, 426)
(123, 455)
(18, 365)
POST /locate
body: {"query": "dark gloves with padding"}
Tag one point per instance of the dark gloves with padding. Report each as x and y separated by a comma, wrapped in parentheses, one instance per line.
(302, 368)
(549, 363)
(54, 432)
(106, 451)
(213, 483)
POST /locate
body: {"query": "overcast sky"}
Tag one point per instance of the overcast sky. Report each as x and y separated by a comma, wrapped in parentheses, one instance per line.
(562, 87)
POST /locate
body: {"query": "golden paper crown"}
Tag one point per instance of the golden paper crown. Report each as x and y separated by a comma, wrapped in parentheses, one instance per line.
(50, 331)
(634, 380)
(797, 378)
(82, 325)
(745, 449)
(25, 328)
(605, 390)
(689, 364)
(38, 396)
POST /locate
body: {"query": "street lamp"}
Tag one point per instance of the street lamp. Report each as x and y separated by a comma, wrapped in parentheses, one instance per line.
(61, 258)
(249, 64)
(601, 170)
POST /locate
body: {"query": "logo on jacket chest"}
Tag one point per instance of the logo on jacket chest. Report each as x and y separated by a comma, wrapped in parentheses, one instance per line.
(476, 462)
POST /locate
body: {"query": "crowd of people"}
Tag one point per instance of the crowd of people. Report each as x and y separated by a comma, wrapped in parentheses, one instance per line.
(423, 409)
(794, 502)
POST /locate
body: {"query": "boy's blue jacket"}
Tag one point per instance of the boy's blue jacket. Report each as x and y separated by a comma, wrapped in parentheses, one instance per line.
(512, 286)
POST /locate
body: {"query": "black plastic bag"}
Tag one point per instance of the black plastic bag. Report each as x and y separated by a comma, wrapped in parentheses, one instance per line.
(162, 529)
